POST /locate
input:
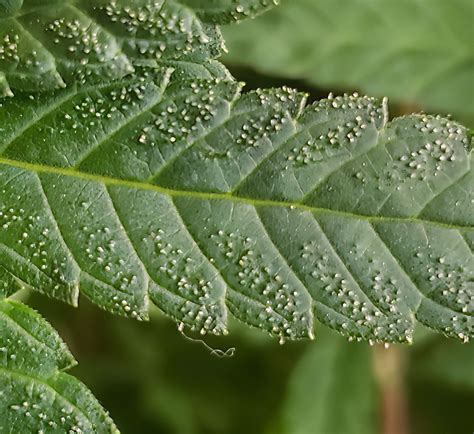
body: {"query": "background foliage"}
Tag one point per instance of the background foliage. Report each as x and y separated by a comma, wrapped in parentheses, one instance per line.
(415, 52)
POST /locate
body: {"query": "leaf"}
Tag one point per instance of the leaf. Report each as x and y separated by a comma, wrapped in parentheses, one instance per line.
(417, 52)
(47, 44)
(184, 194)
(9, 7)
(226, 11)
(331, 390)
(35, 395)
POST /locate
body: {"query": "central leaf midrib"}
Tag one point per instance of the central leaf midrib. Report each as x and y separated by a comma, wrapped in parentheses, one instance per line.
(140, 185)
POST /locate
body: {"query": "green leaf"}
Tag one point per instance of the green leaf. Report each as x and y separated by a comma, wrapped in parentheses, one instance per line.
(47, 44)
(331, 390)
(35, 395)
(9, 7)
(414, 52)
(226, 11)
(205, 203)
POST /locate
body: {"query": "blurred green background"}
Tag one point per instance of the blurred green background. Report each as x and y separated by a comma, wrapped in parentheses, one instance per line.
(419, 53)
(152, 380)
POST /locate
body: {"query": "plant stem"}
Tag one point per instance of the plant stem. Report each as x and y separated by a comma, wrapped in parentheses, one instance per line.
(389, 367)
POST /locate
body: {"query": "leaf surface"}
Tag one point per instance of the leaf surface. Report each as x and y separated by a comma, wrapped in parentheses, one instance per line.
(226, 11)
(417, 52)
(35, 394)
(47, 44)
(207, 203)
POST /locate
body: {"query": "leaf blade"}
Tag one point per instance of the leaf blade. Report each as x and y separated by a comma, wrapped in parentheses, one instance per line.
(49, 45)
(216, 173)
(36, 394)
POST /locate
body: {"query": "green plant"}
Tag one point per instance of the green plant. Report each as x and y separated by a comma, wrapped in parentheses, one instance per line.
(133, 170)
(36, 396)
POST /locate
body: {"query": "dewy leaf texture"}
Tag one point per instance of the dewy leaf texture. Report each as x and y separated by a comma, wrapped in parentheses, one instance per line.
(206, 202)
(226, 11)
(48, 44)
(134, 170)
(35, 394)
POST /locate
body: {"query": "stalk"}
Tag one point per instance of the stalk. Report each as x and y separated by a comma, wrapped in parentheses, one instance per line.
(389, 367)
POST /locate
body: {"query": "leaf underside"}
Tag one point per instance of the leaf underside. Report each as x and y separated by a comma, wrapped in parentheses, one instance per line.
(182, 192)
(134, 171)
(171, 186)
(35, 394)
(48, 44)
(417, 52)
(227, 11)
